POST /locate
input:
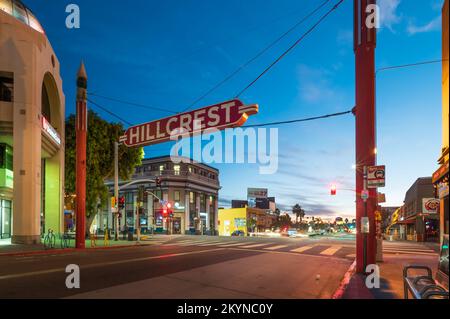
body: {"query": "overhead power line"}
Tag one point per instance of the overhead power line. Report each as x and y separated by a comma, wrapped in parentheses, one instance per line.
(402, 66)
(290, 48)
(259, 54)
(301, 120)
(110, 113)
(133, 104)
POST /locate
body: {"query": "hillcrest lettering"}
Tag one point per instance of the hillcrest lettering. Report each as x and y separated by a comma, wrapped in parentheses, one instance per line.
(228, 114)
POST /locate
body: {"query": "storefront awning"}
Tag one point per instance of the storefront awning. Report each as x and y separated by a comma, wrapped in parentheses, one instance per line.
(406, 222)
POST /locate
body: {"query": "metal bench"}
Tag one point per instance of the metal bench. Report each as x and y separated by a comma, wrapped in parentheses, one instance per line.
(427, 287)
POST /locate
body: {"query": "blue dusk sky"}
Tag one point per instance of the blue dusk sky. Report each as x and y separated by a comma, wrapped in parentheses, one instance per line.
(168, 53)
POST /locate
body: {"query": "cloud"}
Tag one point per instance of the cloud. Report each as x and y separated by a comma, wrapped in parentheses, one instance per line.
(314, 84)
(433, 25)
(388, 13)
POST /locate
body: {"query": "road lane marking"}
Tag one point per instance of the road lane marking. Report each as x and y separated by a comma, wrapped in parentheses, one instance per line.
(331, 251)
(302, 249)
(111, 263)
(276, 247)
(255, 245)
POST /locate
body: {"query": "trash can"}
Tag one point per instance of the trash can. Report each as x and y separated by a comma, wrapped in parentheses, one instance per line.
(130, 235)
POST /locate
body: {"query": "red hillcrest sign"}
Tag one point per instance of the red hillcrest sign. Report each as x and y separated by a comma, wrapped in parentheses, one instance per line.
(219, 116)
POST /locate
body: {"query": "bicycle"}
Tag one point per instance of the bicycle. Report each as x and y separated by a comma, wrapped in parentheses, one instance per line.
(65, 240)
(50, 240)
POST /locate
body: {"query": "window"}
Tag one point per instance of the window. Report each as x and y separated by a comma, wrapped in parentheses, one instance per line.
(191, 198)
(161, 169)
(6, 6)
(203, 202)
(6, 157)
(176, 169)
(176, 196)
(20, 13)
(6, 87)
(190, 169)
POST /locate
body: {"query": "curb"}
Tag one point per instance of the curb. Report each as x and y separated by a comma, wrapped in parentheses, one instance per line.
(339, 293)
(67, 250)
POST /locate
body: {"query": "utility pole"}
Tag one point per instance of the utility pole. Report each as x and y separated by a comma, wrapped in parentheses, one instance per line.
(116, 189)
(81, 134)
(364, 47)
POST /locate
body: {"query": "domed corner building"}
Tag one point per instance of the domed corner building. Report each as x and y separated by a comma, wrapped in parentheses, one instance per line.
(31, 129)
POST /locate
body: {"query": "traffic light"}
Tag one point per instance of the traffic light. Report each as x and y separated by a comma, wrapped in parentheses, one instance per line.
(333, 190)
(122, 202)
(113, 202)
(158, 182)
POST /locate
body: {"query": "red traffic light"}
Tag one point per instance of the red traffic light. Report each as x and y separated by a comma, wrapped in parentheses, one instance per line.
(333, 190)
(164, 212)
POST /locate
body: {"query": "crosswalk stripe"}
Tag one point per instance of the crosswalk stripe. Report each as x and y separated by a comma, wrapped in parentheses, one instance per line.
(408, 252)
(210, 244)
(302, 249)
(254, 245)
(331, 251)
(276, 247)
(233, 245)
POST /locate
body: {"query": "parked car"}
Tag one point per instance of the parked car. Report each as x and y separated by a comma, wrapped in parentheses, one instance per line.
(238, 233)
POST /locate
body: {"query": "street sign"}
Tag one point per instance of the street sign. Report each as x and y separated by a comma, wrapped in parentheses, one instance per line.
(219, 116)
(376, 176)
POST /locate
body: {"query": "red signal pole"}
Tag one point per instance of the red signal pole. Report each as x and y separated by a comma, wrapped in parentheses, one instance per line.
(81, 133)
(364, 47)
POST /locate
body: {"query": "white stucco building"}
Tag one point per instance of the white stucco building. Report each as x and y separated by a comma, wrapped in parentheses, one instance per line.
(31, 128)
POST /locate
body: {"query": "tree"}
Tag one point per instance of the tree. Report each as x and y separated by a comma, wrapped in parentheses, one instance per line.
(299, 213)
(101, 136)
(251, 224)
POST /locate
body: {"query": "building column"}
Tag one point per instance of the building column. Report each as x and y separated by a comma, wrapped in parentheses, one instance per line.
(197, 211)
(216, 214)
(26, 219)
(150, 211)
(208, 217)
(186, 213)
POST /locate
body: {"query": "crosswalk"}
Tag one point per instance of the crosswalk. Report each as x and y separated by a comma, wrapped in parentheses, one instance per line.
(407, 249)
(313, 249)
(319, 249)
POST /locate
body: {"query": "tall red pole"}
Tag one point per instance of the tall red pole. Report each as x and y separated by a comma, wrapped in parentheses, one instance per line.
(364, 46)
(81, 132)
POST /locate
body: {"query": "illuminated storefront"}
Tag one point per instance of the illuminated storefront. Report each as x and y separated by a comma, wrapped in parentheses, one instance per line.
(31, 128)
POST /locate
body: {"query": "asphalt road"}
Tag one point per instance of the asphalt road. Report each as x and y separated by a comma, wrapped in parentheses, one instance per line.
(190, 267)
(187, 267)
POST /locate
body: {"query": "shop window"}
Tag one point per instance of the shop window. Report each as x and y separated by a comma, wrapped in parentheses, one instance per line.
(6, 87)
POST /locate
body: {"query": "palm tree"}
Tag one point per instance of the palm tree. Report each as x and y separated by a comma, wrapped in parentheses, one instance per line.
(299, 213)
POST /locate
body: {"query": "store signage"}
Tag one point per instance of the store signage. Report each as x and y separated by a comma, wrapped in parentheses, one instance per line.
(381, 198)
(220, 116)
(441, 172)
(50, 131)
(430, 205)
(442, 189)
(376, 176)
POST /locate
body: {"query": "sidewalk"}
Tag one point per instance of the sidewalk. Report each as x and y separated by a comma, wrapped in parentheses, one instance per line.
(7, 249)
(391, 282)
